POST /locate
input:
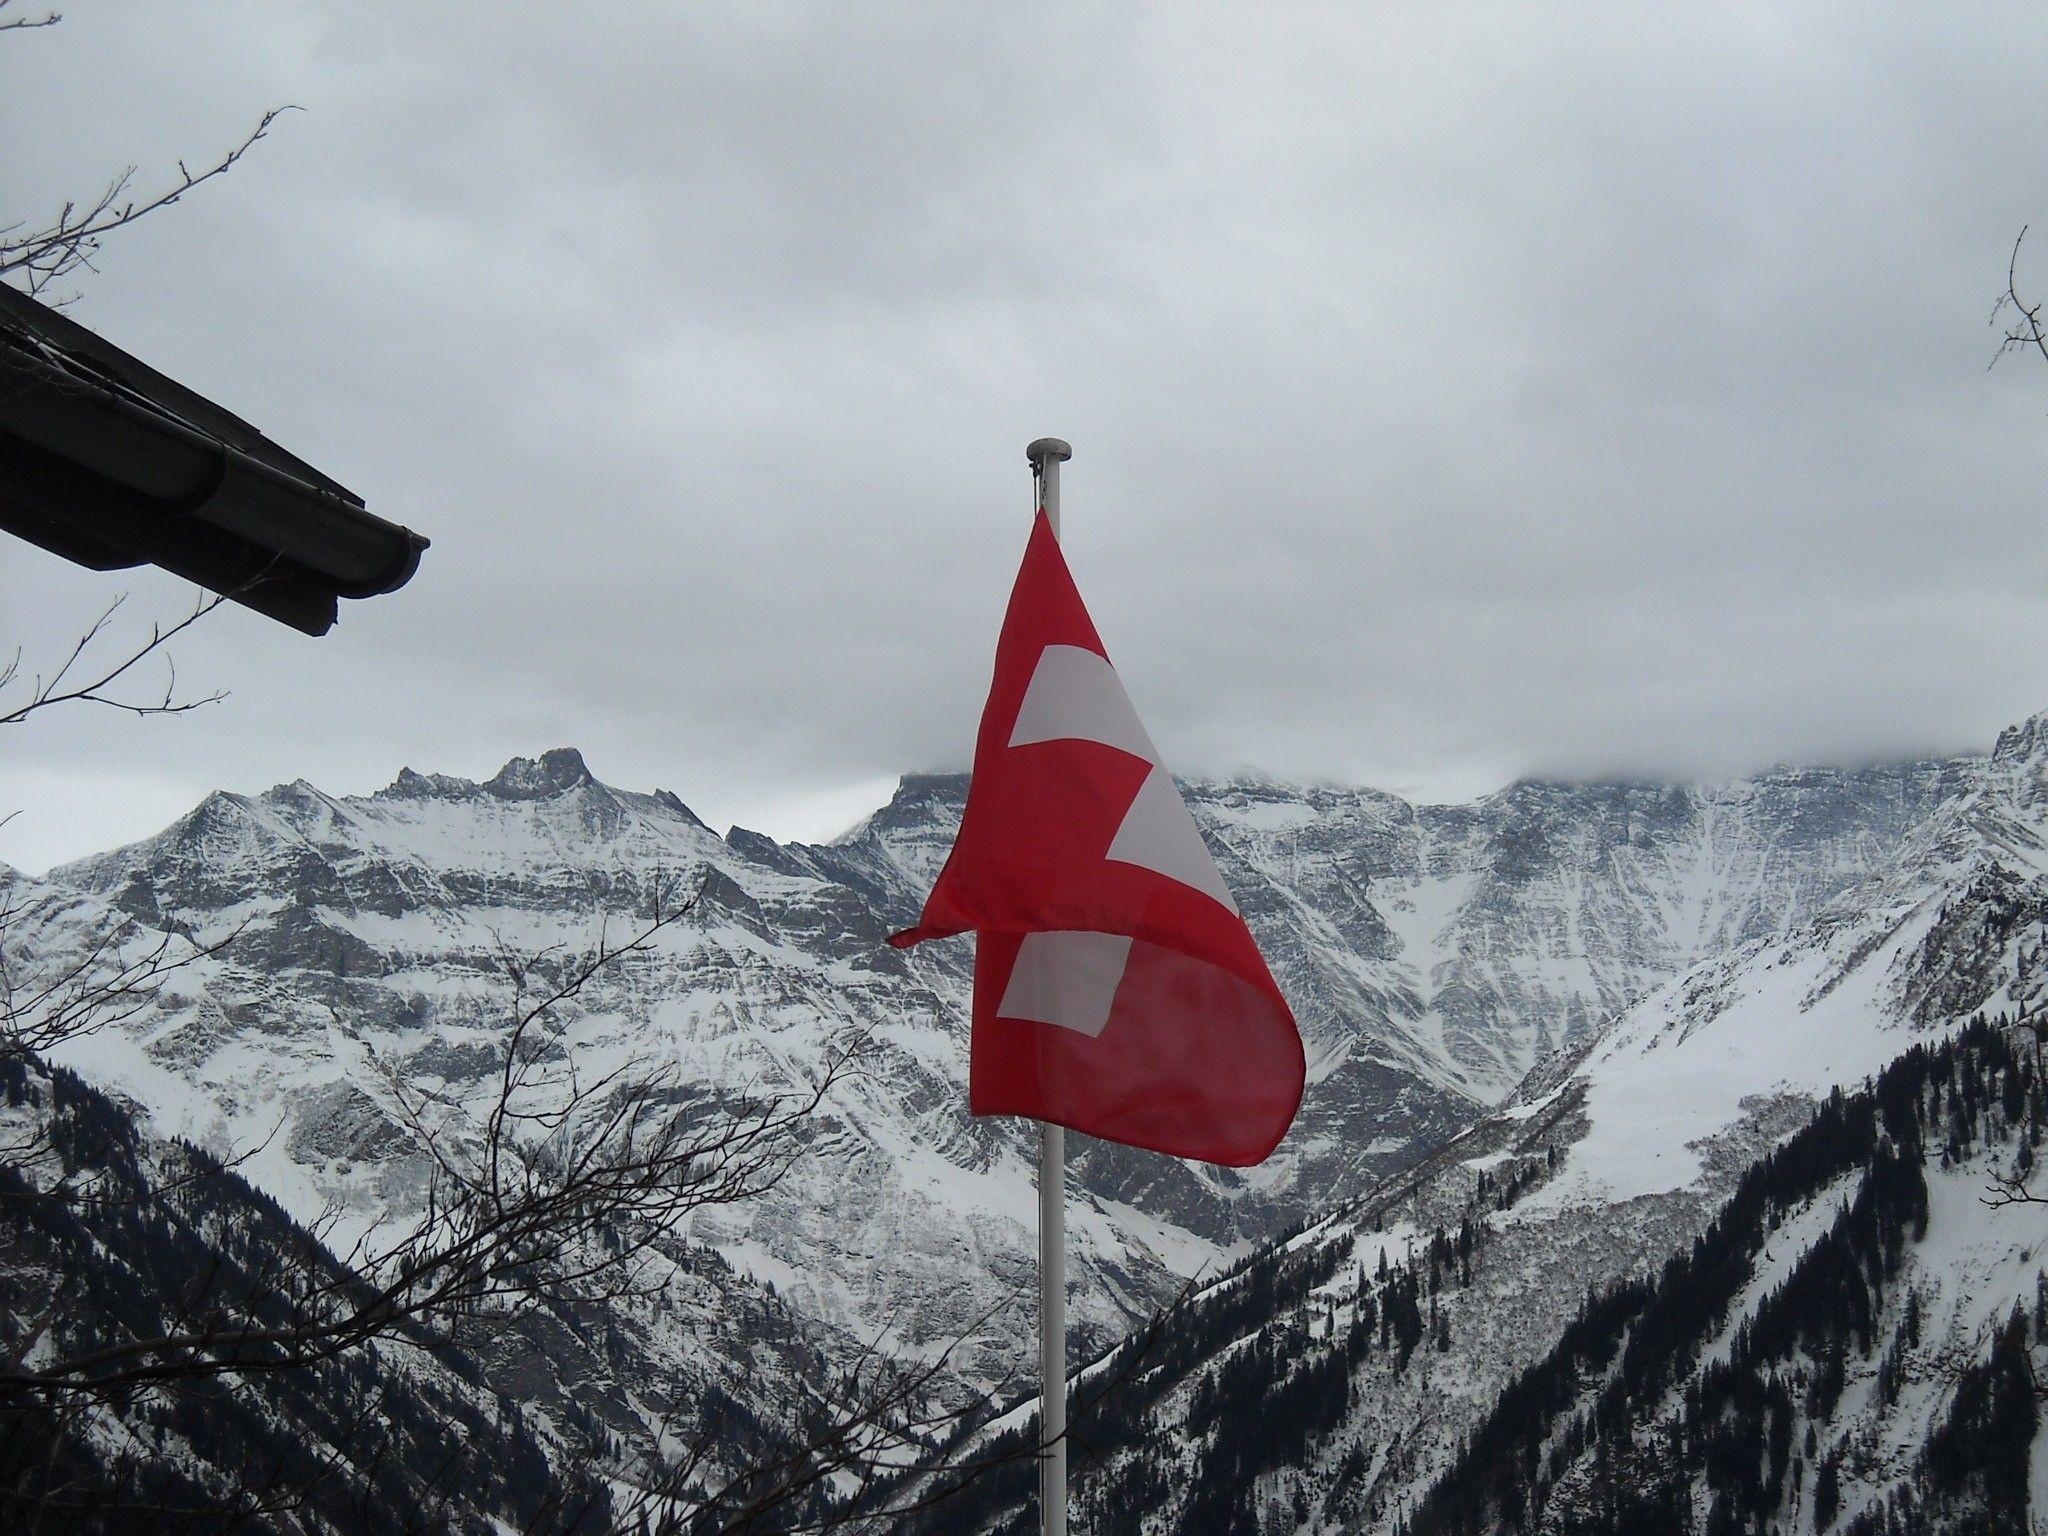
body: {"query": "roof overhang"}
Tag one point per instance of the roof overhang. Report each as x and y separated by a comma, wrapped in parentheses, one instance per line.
(110, 464)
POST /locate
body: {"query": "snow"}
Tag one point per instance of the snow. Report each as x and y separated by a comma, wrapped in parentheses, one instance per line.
(1714, 987)
(1274, 816)
(1670, 1076)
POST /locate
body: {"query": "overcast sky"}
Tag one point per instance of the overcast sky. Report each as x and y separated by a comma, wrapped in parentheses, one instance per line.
(1458, 392)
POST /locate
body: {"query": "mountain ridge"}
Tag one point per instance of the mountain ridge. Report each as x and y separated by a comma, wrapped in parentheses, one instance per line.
(1435, 956)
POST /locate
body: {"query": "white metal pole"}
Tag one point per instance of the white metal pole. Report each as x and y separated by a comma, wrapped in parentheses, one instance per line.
(1052, 1325)
(1046, 455)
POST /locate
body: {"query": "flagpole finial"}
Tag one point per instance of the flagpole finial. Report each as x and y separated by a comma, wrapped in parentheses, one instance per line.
(1045, 457)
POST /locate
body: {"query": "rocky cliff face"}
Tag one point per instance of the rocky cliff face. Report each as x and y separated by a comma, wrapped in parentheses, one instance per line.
(1433, 954)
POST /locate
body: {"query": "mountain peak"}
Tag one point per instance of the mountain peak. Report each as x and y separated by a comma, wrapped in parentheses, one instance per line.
(914, 790)
(2024, 743)
(917, 797)
(523, 778)
(536, 778)
(411, 785)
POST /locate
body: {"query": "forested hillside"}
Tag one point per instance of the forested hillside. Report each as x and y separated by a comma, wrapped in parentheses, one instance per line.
(1848, 1346)
(112, 1238)
(1810, 1353)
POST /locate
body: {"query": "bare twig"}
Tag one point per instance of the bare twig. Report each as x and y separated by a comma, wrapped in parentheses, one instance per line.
(26, 23)
(2010, 1189)
(70, 240)
(77, 680)
(2023, 324)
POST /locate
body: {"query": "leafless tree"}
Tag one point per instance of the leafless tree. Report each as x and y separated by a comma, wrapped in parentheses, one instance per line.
(118, 974)
(874, 1448)
(508, 1216)
(110, 979)
(830, 1449)
(2010, 1189)
(114, 968)
(34, 254)
(557, 1192)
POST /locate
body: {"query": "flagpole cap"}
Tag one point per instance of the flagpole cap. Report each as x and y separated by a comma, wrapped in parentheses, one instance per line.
(1057, 449)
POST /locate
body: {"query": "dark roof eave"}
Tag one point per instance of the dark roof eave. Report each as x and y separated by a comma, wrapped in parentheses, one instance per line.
(96, 465)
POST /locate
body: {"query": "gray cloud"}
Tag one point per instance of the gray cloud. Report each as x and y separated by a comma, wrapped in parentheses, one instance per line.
(1457, 392)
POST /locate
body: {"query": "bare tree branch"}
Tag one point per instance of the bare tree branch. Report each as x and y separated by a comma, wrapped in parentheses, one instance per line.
(2010, 1189)
(46, 253)
(77, 680)
(565, 1187)
(2023, 325)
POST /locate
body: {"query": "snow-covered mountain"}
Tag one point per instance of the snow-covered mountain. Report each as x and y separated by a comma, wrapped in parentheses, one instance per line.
(1434, 955)
(370, 944)
(1500, 1300)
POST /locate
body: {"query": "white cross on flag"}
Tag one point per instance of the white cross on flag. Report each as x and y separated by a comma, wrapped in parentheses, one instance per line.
(1117, 990)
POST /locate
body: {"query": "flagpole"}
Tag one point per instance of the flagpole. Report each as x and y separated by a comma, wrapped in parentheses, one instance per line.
(1045, 457)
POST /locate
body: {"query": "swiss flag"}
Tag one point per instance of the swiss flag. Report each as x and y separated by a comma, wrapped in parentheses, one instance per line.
(1116, 989)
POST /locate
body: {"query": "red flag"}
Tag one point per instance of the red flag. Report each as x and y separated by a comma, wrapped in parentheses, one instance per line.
(1116, 989)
